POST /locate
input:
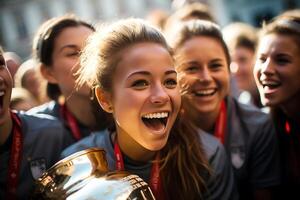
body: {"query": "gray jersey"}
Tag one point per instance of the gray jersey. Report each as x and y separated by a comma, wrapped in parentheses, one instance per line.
(220, 186)
(43, 140)
(252, 146)
(53, 108)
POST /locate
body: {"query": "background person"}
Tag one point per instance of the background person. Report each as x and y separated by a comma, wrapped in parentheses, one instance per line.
(28, 144)
(277, 72)
(241, 40)
(57, 46)
(202, 62)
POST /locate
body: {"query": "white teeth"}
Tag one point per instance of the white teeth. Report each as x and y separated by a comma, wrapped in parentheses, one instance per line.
(270, 83)
(2, 93)
(205, 92)
(156, 115)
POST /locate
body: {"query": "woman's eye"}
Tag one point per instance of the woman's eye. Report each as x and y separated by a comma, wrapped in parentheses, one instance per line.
(215, 65)
(139, 84)
(282, 61)
(262, 59)
(74, 53)
(191, 69)
(171, 83)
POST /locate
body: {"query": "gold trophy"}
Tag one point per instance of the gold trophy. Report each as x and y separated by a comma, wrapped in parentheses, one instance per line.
(85, 175)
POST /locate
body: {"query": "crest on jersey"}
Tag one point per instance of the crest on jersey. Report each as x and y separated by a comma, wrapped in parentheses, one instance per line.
(238, 156)
(37, 167)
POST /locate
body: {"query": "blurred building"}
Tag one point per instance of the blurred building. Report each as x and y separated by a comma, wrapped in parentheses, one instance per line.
(19, 19)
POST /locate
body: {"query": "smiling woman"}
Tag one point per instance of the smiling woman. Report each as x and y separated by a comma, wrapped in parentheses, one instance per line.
(56, 47)
(131, 67)
(202, 62)
(277, 72)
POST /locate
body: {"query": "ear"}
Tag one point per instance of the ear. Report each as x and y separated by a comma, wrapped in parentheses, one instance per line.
(104, 99)
(47, 73)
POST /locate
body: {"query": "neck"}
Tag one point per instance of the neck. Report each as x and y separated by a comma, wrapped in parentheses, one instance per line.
(132, 149)
(82, 110)
(6, 128)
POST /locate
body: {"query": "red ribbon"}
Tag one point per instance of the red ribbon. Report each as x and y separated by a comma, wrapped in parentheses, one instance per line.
(15, 158)
(71, 121)
(155, 182)
(220, 128)
(287, 128)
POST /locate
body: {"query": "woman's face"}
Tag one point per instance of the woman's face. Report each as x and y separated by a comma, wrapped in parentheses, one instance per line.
(241, 66)
(5, 90)
(145, 97)
(203, 75)
(65, 59)
(277, 70)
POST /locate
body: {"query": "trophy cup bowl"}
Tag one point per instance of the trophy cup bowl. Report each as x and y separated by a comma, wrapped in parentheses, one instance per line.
(85, 175)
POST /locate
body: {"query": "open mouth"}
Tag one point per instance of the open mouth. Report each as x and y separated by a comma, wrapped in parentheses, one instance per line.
(156, 121)
(270, 85)
(203, 93)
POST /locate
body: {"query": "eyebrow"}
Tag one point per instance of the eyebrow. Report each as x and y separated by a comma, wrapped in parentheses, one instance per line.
(148, 73)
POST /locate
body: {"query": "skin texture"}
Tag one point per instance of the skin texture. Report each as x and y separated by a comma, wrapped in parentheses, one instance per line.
(5, 90)
(203, 78)
(144, 83)
(277, 72)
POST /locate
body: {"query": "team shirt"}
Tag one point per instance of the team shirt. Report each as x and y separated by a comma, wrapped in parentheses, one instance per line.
(220, 186)
(43, 138)
(252, 146)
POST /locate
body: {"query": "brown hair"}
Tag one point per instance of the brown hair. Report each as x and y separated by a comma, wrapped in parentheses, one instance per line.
(183, 164)
(43, 43)
(240, 35)
(195, 28)
(287, 23)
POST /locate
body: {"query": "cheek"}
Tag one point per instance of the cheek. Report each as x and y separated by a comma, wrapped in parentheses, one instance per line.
(256, 73)
(176, 99)
(225, 82)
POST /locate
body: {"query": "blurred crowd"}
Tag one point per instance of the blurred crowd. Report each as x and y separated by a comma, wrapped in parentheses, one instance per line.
(221, 102)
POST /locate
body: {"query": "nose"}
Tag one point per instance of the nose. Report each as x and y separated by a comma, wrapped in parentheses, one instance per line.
(204, 75)
(267, 68)
(159, 95)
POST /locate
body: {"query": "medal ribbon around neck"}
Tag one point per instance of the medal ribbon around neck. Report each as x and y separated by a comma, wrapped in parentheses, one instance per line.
(155, 182)
(71, 121)
(15, 158)
(220, 128)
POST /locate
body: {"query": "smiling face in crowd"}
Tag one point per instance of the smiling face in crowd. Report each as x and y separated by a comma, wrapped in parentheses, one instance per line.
(277, 70)
(203, 75)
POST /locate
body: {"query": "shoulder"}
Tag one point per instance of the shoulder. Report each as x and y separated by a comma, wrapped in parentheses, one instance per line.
(41, 126)
(221, 184)
(100, 139)
(211, 146)
(50, 108)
